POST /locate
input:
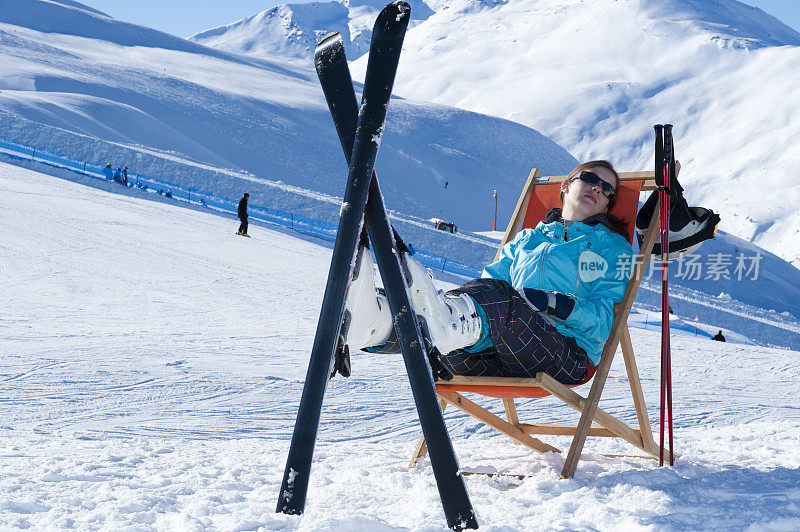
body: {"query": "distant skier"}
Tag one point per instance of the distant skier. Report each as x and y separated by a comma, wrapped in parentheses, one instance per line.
(719, 337)
(118, 175)
(125, 176)
(242, 213)
(108, 172)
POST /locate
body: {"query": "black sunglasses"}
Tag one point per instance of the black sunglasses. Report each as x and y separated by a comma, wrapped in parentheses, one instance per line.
(594, 179)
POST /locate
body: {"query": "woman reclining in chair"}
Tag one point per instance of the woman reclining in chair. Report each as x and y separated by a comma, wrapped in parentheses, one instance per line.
(545, 305)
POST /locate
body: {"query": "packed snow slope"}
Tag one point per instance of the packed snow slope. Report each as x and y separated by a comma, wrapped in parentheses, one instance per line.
(225, 124)
(725, 280)
(76, 82)
(151, 364)
(595, 76)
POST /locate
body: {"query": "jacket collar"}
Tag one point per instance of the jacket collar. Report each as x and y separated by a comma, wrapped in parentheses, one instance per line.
(554, 215)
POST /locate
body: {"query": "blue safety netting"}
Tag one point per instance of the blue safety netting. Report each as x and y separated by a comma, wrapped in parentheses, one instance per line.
(301, 224)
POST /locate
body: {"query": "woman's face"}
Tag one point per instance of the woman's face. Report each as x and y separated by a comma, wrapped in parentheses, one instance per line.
(583, 200)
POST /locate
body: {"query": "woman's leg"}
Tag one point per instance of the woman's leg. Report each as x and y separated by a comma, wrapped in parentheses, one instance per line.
(483, 364)
(524, 343)
(459, 362)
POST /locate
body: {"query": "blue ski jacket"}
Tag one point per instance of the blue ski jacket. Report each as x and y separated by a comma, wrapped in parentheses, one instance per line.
(584, 260)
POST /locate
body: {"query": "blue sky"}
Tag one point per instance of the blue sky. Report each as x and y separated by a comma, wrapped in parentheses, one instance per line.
(187, 17)
(184, 17)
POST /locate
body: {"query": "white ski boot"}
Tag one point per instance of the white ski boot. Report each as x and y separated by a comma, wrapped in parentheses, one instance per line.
(367, 316)
(451, 321)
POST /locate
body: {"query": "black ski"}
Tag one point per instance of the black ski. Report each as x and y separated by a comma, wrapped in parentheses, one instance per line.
(387, 40)
(334, 76)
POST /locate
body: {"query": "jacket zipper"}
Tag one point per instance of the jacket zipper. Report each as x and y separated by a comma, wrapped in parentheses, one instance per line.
(541, 267)
(544, 255)
(578, 280)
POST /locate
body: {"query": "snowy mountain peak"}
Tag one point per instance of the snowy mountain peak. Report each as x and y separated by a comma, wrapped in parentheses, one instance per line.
(595, 76)
(289, 30)
(733, 23)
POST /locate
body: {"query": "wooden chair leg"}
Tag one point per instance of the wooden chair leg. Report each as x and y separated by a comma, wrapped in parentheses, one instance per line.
(497, 423)
(636, 391)
(587, 415)
(422, 449)
(511, 414)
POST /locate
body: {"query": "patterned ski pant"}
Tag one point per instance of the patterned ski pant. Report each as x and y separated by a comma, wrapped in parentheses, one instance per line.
(524, 343)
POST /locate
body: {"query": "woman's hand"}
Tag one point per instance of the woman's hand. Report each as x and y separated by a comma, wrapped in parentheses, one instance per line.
(555, 304)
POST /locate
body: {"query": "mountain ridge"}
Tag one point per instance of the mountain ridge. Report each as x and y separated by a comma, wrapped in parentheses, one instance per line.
(595, 76)
(730, 22)
(152, 108)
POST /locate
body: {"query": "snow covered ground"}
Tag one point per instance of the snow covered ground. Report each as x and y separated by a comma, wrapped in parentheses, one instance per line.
(151, 364)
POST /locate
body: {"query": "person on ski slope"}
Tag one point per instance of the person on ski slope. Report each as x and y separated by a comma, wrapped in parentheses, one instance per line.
(545, 305)
(242, 214)
(108, 172)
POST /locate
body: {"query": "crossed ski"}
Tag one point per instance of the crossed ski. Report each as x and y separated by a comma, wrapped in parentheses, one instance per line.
(359, 132)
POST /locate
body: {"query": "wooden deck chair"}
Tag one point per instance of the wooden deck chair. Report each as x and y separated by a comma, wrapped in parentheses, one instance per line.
(539, 196)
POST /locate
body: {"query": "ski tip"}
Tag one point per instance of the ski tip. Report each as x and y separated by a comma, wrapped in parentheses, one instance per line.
(329, 46)
(394, 16)
(329, 38)
(403, 9)
(402, 6)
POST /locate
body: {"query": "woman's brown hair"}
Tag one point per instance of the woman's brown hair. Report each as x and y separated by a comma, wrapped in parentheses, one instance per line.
(614, 223)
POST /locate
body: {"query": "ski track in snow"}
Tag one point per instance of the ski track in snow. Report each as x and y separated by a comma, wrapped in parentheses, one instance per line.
(152, 363)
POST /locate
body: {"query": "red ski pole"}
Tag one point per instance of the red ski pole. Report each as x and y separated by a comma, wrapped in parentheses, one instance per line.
(669, 157)
(666, 378)
(659, 177)
(664, 168)
(667, 167)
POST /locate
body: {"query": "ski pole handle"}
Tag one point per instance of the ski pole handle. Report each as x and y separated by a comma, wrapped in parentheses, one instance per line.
(659, 155)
